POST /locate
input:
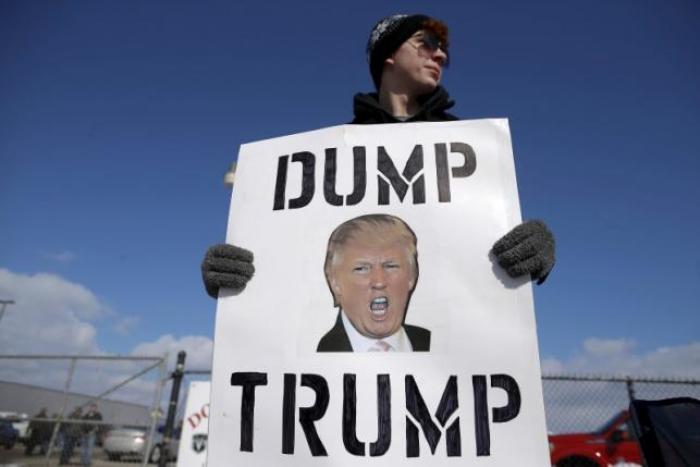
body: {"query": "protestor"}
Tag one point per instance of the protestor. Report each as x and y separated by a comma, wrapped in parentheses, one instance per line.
(407, 55)
(40, 430)
(71, 431)
(89, 433)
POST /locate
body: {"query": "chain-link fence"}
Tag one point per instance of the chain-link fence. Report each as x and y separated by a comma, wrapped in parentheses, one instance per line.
(572, 403)
(586, 403)
(100, 409)
(79, 409)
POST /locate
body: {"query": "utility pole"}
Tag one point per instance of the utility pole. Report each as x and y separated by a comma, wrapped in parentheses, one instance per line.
(3, 305)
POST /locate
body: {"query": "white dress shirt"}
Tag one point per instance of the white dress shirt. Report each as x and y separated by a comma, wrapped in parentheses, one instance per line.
(398, 341)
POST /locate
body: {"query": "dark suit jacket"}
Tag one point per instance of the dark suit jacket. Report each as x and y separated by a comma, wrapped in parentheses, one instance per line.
(336, 340)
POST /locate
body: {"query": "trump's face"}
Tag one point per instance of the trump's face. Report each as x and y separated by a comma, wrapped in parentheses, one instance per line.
(372, 279)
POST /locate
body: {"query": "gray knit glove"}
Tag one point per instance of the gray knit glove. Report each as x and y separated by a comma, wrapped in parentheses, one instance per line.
(226, 266)
(527, 249)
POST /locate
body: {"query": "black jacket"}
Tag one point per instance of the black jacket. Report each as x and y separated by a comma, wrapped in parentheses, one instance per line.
(433, 109)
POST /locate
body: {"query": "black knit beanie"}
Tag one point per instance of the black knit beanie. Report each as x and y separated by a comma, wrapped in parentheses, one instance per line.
(387, 36)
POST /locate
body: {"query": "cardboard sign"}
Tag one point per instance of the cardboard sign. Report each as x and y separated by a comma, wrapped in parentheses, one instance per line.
(195, 426)
(377, 328)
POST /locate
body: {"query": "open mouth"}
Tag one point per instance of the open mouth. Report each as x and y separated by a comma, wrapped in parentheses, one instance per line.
(379, 306)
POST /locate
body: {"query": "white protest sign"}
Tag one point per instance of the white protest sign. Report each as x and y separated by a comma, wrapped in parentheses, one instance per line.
(287, 387)
(193, 440)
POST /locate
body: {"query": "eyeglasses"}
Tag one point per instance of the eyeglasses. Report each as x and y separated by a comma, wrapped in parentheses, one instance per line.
(427, 45)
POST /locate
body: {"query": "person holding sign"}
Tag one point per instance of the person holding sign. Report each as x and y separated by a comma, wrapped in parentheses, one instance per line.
(372, 268)
(407, 55)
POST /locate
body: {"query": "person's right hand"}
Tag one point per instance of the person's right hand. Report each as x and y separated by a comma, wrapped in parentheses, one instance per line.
(226, 266)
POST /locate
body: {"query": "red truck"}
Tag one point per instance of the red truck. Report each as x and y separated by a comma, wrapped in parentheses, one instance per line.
(611, 445)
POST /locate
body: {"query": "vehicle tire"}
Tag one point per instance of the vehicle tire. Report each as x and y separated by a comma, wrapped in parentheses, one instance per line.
(577, 462)
(113, 457)
(155, 454)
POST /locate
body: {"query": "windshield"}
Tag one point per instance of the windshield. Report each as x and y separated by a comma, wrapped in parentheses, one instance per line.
(608, 425)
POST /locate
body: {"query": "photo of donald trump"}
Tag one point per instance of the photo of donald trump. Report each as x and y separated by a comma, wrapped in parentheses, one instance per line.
(371, 268)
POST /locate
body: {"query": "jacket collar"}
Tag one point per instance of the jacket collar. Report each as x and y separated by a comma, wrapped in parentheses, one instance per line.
(432, 108)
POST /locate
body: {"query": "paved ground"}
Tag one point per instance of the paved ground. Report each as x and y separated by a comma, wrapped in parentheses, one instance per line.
(15, 456)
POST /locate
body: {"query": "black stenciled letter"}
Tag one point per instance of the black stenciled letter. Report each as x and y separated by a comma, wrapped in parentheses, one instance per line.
(308, 184)
(512, 407)
(359, 177)
(381, 446)
(308, 415)
(417, 408)
(352, 444)
(481, 416)
(248, 381)
(281, 183)
(288, 406)
(499, 414)
(443, 178)
(399, 183)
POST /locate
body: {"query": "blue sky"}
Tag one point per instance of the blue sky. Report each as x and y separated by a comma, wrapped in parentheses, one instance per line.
(118, 120)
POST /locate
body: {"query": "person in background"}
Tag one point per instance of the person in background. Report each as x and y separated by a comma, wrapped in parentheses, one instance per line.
(70, 433)
(89, 433)
(407, 55)
(40, 429)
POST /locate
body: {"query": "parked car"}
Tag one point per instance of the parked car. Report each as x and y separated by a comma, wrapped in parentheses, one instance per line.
(612, 444)
(20, 421)
(8, 434)
(122, 443)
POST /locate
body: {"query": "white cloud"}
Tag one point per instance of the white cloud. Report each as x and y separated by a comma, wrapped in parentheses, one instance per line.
(124, 325)
(50, 315)
(199, 350)
(54, 316)
(62, 257)
(551, 366)
(618, 357)
(607, 347)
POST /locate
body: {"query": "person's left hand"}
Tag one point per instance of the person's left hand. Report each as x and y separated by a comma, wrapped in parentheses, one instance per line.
(527, 249)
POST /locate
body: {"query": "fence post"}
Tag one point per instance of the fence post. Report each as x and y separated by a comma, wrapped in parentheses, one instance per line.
(630, 388)
(155, 409)
(57, 426)
(172, 408)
